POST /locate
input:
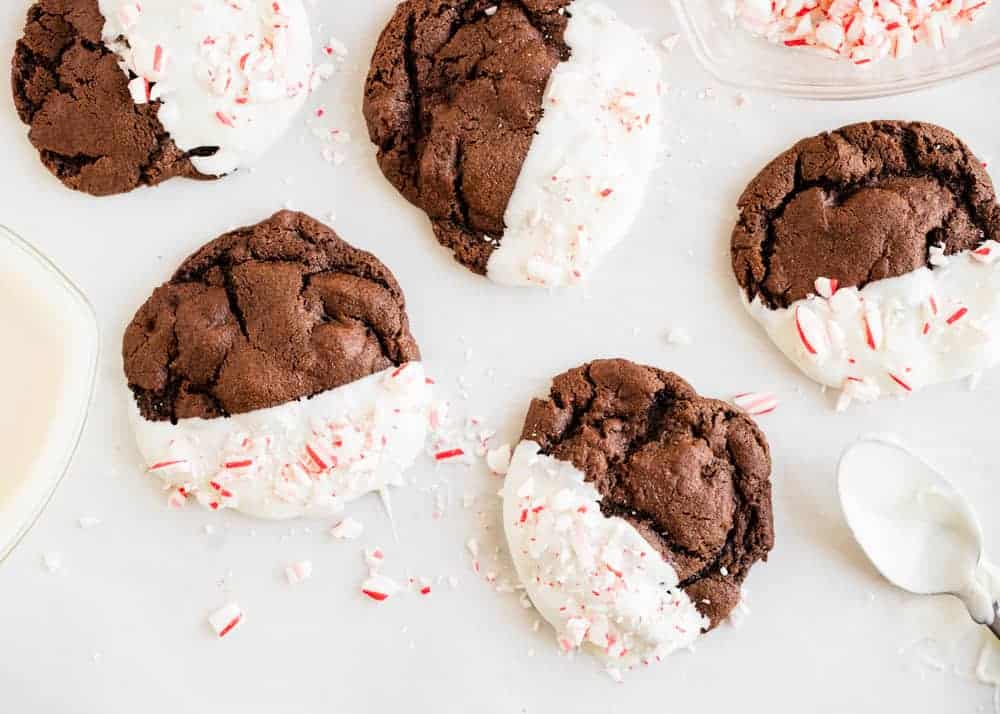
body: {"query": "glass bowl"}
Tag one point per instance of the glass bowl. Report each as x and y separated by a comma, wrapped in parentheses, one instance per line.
(737, 57)
(50, 361)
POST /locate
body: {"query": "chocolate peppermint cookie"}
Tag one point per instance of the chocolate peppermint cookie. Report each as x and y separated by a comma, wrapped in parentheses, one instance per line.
(525, 130)
(275, 373)
(640, 503)
(867, 254)
(121, 94)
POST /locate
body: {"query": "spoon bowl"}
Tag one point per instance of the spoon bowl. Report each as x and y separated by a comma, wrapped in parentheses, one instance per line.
(915, 527)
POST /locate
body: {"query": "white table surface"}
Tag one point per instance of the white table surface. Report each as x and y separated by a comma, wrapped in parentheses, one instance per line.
(121, 628)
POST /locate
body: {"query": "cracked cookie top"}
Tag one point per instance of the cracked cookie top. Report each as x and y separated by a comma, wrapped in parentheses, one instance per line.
(859, 204)
(692, 475)
(69, 89)
(261, 316)
(452, 100)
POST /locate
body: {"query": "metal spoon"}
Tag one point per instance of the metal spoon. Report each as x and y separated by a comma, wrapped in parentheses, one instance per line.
(915, 527)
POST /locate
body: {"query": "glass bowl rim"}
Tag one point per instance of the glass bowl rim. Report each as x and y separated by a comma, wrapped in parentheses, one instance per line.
(93, 328)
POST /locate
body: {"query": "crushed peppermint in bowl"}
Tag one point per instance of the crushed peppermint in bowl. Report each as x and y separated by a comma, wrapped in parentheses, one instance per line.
(841, 49)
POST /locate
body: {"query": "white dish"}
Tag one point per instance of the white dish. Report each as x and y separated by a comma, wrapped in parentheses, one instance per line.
(47, 370)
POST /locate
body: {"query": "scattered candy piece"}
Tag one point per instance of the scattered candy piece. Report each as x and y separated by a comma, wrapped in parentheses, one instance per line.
(498, 459)
(826, 287)
(988, 252)
(226, 619)
(679, 336)
(669, 42)
(374, 557)
(299, 572)
(347, 529)
(177, 498)
(448, 454)
(756, 403)
(379, 588)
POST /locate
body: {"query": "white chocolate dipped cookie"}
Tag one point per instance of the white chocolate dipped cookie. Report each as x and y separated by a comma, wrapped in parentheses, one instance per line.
(121, 94)
(869, 255)
(540, 130)
(275, 374)
(634, 510)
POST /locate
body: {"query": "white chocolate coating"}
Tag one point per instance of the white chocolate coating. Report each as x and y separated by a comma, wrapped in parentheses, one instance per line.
(597, 581)
(230, 73)
(308, 457)
(897, 335)
(582, 183)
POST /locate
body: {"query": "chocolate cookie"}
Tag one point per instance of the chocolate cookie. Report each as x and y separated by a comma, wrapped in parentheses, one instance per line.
(71, 92)
(691, 474)
(454, 103)
(275, 374)
(262, 316)
(857, 205)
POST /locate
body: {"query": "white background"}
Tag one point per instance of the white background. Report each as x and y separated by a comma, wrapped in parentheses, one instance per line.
(122, 627)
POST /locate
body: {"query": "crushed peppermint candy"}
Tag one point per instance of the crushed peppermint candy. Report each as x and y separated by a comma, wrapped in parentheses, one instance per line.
(379, 587)
(177, 498)
(498, 459)
(756, 403)
(374, 558)
(826, 287)
(859, 31)
(679, 336)
(336, 49)
(299, 572)
(226, 619)
(347, 529)
(669, 42)
(456, 441)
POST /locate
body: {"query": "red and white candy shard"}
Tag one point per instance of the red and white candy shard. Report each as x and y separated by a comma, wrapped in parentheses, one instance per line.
(896, 335)
(596, 580)
(379, 588)
(230, 74)
(498, 459)
(308, 457)
(756, 403)
(859, 31)
(582, 182)
(226, 619)
(347, 529)
(299, 572)
(374, 559)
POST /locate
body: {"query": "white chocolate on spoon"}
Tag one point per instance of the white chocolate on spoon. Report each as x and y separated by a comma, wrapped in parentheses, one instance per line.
(915, 527)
